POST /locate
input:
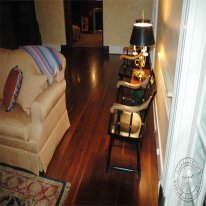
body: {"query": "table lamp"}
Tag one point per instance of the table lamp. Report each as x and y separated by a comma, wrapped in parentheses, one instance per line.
(143, 37)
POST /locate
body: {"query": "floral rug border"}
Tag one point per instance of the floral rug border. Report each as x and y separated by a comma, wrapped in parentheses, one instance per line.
(60, 195)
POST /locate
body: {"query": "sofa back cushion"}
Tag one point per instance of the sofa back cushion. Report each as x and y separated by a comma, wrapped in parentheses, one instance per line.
(33, 82)
(9, 59)
(32, 86)
(50, 62)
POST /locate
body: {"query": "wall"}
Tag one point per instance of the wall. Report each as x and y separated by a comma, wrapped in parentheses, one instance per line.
(18, 24)
(118, 19)
(168, 26)
(50, 16)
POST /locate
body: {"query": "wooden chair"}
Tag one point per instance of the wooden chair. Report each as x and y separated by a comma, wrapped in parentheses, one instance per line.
(133, 94)
(128, 124)
(129, 62)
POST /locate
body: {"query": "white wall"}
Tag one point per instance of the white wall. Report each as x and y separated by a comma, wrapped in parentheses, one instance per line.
(118, 19)
(50, 16)
(168, 27)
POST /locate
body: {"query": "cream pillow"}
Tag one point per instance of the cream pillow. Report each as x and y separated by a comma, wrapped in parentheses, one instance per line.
(33, 85)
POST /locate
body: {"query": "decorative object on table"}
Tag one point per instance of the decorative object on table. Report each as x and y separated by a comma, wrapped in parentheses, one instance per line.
(20, 187)
(142, 36)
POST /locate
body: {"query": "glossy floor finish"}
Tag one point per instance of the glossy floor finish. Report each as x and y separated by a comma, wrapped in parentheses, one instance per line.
(81, 156)
(89, 40)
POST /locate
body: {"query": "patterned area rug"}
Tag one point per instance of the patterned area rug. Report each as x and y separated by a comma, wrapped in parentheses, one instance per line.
(18, 187)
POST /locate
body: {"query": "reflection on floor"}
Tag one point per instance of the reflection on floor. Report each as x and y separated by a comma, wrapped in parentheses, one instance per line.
(81, 156)
(89, 40)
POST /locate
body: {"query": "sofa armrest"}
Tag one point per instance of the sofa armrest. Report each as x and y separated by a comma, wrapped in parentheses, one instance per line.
(44, 103)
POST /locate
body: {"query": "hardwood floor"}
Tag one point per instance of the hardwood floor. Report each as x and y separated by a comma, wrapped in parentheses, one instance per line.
(81, 155)
(89, 40)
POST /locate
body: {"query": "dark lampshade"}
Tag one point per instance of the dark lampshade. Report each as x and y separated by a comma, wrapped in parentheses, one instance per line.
(142, 35)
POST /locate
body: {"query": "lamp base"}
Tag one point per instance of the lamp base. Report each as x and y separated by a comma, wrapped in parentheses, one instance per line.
(140, 75)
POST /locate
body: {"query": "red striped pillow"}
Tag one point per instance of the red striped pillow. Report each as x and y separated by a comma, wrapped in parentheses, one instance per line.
(12, 88)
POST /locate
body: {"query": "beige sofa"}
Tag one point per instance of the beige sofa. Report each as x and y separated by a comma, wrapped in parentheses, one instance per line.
(30, 133)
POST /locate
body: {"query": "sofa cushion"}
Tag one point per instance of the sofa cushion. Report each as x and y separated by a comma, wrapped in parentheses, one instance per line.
(15, 124)
(12, 88)
(49, 60)
(32, 86)
(10, 58)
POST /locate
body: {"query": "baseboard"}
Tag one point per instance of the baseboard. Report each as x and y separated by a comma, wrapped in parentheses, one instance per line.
(115, 49)
(105, 49)
(161, 197)
(158, 140)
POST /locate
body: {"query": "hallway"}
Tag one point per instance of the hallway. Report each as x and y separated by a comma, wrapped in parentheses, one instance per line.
(89, 40)
(81, 156)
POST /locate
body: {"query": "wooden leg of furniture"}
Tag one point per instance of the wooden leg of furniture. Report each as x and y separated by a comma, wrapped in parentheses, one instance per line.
(109, 153)
(138, 160)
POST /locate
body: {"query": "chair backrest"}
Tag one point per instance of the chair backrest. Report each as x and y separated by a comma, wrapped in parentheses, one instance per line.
(146, 92)
(150, 93)
(150, 86)
(130, 121)
(143, 114)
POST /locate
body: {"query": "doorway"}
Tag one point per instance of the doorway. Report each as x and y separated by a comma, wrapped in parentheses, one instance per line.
(84, 23)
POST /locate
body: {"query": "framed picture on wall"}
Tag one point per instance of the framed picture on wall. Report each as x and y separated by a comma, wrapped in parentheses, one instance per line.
(84, 24)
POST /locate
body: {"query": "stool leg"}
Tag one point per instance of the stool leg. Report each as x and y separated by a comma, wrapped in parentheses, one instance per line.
(109, 153)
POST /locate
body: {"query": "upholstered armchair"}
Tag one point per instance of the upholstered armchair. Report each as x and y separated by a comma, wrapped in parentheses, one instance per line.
(33, 127)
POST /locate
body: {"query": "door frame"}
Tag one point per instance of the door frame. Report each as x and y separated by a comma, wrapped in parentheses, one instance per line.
(190, 56)
(68, 22)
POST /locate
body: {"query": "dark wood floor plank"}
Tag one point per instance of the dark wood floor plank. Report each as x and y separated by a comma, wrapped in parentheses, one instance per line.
(81, 155)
